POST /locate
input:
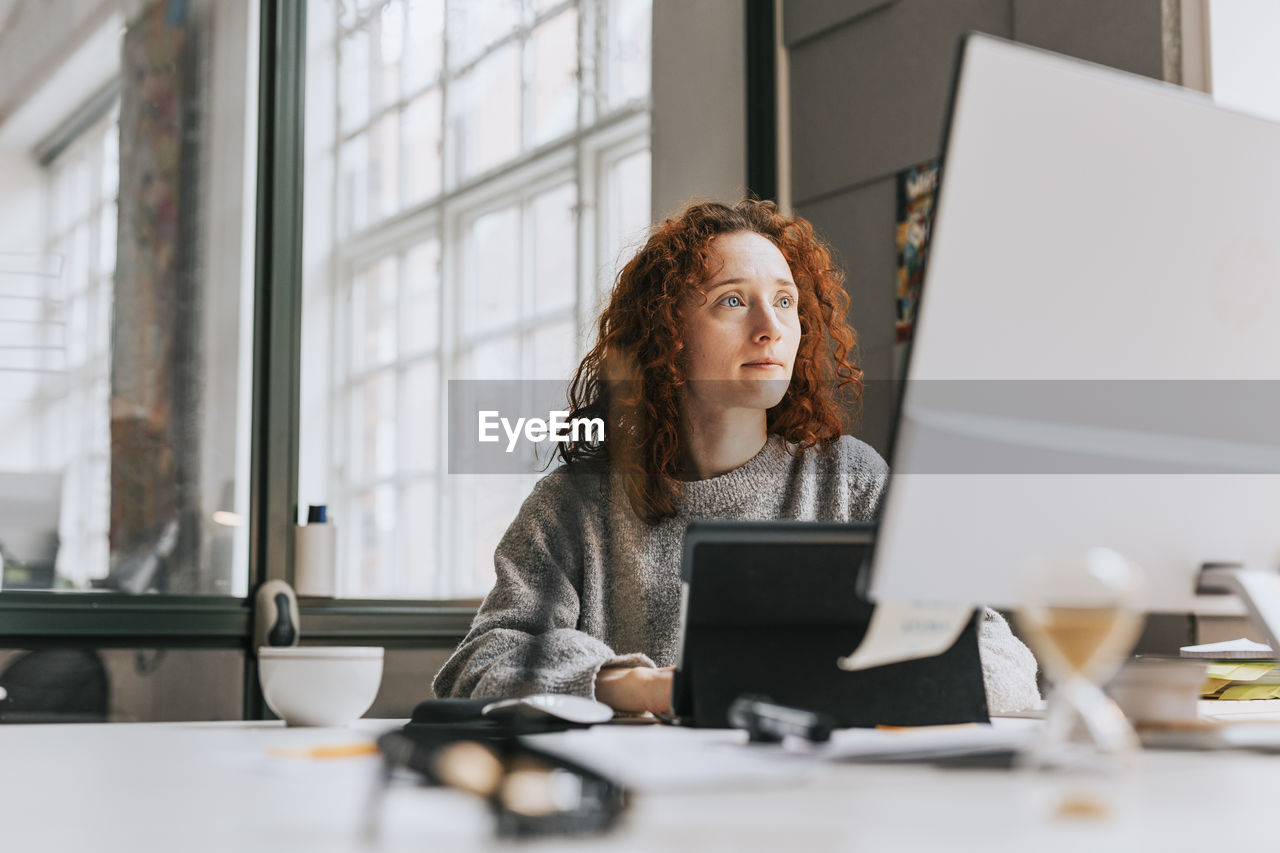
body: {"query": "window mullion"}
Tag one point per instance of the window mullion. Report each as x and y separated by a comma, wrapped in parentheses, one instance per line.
(589, 55)
(401, 386)
(449, 541)
(524, 43)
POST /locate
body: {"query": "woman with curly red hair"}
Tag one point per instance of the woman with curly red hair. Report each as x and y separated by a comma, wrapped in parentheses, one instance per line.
(722, 371)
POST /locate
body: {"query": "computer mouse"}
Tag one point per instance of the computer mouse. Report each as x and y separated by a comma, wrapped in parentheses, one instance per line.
(571, 709)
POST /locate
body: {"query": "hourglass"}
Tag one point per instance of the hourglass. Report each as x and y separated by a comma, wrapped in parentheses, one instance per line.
(1081, 622)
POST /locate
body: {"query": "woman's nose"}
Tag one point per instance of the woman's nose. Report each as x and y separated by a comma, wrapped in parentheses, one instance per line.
(767, 324)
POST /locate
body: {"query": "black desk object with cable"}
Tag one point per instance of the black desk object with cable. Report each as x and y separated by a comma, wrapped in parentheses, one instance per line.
(767, 608)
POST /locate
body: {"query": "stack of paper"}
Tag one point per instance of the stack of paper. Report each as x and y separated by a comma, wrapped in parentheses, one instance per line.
(1242, 669)
(1235, 680)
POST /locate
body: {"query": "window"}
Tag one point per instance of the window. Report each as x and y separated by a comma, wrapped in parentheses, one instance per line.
(474, 172)
(55, 312)
(71, 406)
(126, 298)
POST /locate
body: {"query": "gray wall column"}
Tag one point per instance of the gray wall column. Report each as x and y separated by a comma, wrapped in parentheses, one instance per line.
(699, 102)
(869, 82)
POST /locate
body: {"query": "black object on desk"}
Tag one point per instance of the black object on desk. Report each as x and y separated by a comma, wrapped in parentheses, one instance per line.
(441, 720)
(768, 607)
(768, 722)
(531, 792)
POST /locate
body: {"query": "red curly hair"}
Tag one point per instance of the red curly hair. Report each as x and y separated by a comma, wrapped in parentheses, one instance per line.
(633, 376)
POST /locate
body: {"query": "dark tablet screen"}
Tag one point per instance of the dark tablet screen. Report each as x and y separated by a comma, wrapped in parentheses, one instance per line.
(768, 607)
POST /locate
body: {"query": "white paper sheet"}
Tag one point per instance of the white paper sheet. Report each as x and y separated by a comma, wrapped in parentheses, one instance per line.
(901, 632)
(922, 743)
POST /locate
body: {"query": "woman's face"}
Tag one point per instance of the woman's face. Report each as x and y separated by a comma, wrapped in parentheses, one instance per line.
(742, 328)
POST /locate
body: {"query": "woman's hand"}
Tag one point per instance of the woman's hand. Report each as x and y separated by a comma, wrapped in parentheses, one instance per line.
(637, 688)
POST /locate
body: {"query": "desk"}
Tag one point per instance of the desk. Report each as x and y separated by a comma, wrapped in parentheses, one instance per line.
(217, 786)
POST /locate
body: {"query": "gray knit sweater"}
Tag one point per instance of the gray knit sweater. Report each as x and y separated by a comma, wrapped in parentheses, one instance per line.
(583, 583)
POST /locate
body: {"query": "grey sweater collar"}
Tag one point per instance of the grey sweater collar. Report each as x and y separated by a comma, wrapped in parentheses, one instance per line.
(719, 494)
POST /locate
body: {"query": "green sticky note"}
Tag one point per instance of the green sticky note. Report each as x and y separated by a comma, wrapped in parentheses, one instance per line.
(1240, 671)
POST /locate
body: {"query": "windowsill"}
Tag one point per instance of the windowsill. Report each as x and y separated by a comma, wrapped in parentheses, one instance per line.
(107, 618)
(398, 622)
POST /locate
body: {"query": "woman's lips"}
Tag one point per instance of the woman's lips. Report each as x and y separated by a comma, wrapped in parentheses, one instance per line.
(763, 365)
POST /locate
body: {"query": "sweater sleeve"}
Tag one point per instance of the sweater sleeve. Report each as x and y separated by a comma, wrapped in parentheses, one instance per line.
(1008, 667)
(524, 639)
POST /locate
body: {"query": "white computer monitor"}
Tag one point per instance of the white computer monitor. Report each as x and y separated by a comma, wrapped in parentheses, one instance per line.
(1097, 348)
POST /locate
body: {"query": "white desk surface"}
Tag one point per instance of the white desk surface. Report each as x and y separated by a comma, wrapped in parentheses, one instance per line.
(217, 786)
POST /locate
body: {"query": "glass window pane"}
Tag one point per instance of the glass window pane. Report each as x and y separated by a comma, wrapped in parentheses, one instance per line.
(476, 24)
(384, 166)
(542, 6)
(422, 554)
(422, 148)
(101, 431)
(101, 347)
(555, 77)
(350, 11)
(484, 114)
(355, 98)
(490, 292)
(489, 272)
(631, 186)
(555, 239)
(422, 414)
(356, 196)
(386, 31)
(629, 50)
(106, 240)
(555, 351)
(424, 44)
(79, 187)
(373, 413)
(61, 198)
(627, 188)
(126, 430)
(495, 499)
(43, 333)
(493, 359)
(421, 300)
(110, 161)
(79, 259)
(374, 309)
(372, 543)
(77, 330)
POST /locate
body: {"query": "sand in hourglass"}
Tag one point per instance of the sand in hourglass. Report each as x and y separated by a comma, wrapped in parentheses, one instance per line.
(1080, 639)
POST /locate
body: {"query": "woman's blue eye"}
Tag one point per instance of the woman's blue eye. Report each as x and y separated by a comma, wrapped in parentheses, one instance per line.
(785, 301)
(731, 301)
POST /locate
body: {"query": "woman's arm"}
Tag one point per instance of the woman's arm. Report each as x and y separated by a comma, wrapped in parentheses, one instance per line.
(1008, 667)
(524, 639)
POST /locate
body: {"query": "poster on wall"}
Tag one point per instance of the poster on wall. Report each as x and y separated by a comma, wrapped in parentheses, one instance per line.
(917, 189)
